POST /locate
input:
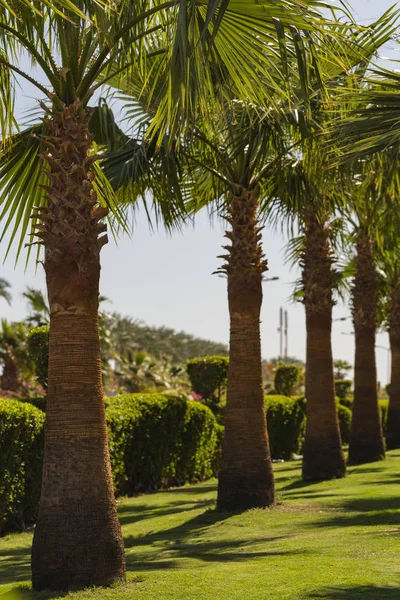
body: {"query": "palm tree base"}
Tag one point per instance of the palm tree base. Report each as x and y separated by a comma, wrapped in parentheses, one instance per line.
(323, 461)
(78, 549)
(365, 450)
(241, 491)
(393, 430)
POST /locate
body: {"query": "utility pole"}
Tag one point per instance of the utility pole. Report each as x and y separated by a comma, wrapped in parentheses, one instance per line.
(283, 333)
(280, 329)
(286, 333)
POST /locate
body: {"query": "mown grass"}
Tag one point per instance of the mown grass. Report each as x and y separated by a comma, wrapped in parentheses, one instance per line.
(338, 540)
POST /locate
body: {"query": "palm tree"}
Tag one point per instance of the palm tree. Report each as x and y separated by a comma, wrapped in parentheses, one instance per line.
(4, 290)
(373, 127)
(304, 190)
(49, 173)
(229, 156)
(393, 419)
(366, 214)
(38, 307)
(389, 275)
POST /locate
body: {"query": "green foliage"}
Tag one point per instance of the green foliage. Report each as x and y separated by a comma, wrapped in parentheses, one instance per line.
(38, 348)
(21, 455)
(158, 440)
(344, 416)
(286, 377)
(207, 376)
(126, 333)
(384, 407)
(285, 423)
(347, 402)
(342, 387)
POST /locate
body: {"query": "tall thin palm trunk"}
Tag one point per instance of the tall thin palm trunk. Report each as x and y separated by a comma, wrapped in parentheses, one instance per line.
(77, 540)
(245, 478)
(393, 420)
(366, 439)
(323, 456)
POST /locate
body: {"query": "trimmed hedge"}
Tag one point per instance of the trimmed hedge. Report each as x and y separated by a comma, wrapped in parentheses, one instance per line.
(38, 348)
(21, 457)
(343, 388)
(344, 415)
(285, 424)
(155, 440)
(158, 441)
(208, 375)
(286, 377)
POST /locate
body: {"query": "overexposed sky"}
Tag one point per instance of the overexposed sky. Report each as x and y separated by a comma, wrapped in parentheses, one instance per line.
(167, 280)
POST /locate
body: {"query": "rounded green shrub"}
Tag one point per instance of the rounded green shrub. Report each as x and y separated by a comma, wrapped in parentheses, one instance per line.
(342, 388)
(38, 348)
(21, 457)
(286, 377)
(285, 424)
(157, 440)
(348, 402)
(384, 407)
(208, 376)
(344, 416)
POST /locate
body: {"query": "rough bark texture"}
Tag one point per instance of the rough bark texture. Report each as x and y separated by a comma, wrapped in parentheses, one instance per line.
(77, 541)
(323, 456)
(393, 420)
(245, 478)
(366, 439)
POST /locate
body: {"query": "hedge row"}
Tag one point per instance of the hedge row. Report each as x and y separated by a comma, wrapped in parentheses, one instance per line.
(21, 456)
(155, 440)
(159, 441)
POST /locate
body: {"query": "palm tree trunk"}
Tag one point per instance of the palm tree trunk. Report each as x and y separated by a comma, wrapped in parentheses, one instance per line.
(366, 439)
(393, 420)
(245, 478)
(323, 456)
(77, 540)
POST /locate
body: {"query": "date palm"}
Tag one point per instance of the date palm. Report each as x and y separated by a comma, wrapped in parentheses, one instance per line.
(389, 262)
(5, 290)
(50, 175)
(228, 158)
(369, 201)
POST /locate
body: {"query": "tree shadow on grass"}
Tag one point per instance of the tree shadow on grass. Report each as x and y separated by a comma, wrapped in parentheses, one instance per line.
(15, 565)
(138, 512)
(365, 512)
(167, 548)
(363, 592)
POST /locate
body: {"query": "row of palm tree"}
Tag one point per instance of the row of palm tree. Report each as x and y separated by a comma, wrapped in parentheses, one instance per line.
(219, 95)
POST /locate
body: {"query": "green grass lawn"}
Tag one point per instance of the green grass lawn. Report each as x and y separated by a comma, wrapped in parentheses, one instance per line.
(338, 540)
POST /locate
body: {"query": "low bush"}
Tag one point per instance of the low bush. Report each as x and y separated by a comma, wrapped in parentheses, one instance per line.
(208, 377)
(155, 440)
(343, 388)
(21, 456)
(344, 416)
(38, 348)
(285, 424)
(384, 407)
(348, 402)
(286, 377)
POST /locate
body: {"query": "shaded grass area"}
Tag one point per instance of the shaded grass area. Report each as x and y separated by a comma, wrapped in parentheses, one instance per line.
(337, 540)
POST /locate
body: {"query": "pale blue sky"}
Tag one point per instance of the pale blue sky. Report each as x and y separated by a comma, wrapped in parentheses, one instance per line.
(167, 280)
